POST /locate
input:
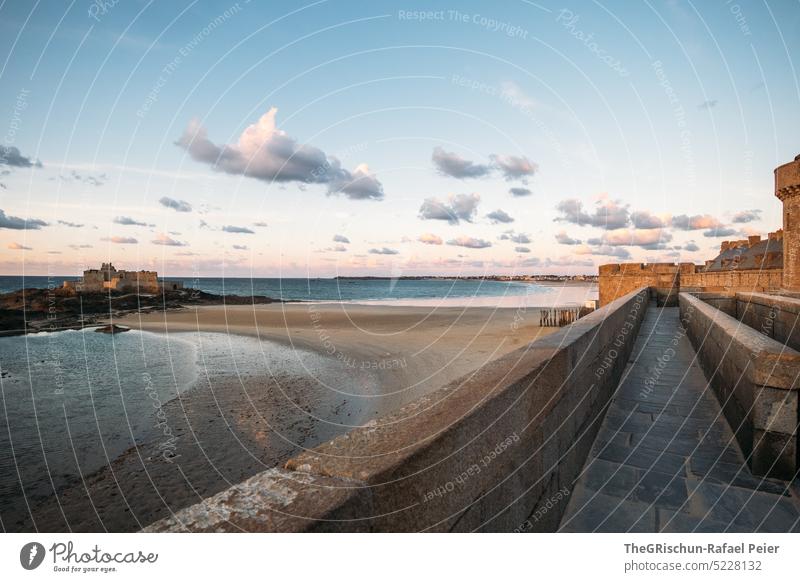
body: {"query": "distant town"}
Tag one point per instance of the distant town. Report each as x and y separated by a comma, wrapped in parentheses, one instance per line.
(526, 278)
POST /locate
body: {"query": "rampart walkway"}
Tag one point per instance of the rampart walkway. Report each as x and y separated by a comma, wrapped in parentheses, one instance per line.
(665, 458)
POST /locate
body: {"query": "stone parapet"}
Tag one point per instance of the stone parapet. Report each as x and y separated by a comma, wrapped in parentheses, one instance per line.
(493, 451)
(755, 379)
(733, 280)
(775, 316)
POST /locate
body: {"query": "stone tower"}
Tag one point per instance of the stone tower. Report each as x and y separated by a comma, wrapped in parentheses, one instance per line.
(787, 189)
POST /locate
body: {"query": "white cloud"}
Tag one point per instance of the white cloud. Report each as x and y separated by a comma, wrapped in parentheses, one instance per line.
(451, 164)
(499, 216)
(237, 229)
(649, 238)
(515, 167)
(16, 223)
(746, 216)
(455, 209)
(564, 239)
(608, 214)
(695, 222)
(128, 221)
(644, 219)
(519, 237)
(430, 239)
(267, 153)
(121, 240)
(176, 205)
(469, 242)
(164, 240)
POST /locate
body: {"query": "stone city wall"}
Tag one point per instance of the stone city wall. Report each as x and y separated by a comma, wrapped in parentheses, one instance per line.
(619, 279)
(668, 279)
(497, 450)
(755, 379)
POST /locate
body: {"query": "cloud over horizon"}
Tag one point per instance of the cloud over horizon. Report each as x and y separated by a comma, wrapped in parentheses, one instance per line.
(499, 217)
(650, 238)
(469, 242)
(515, 167)
(11, 156)
(121, 240)
(456, 208)
(746, 216)
(564, 239)
(608, 214)
(430, 239)
(17, 223)
(453, 165)
(229, 228)
(267, 153)
(517, 237)
(128, 221)
(176, 205)
(164, 240)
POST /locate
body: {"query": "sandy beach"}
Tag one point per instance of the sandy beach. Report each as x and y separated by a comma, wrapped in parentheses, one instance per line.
(415, 349)
(352, 363)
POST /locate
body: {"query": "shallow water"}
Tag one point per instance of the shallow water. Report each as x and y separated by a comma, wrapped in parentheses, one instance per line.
(74, 401)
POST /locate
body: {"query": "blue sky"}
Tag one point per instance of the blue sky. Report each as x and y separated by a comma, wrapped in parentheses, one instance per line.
(638, 132)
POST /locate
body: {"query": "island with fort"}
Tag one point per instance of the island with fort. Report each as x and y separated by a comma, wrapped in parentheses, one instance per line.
(101, 294)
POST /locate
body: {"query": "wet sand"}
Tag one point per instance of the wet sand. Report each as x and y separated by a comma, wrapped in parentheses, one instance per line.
(414, 349)
(236, 423)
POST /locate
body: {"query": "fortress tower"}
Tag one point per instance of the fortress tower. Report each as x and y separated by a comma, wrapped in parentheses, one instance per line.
(787, 189)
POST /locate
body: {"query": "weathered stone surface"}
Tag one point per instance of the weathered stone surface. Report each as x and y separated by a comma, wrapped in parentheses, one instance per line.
(277, 501)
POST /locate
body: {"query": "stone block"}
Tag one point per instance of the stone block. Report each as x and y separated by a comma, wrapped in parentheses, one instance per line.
(775, 410)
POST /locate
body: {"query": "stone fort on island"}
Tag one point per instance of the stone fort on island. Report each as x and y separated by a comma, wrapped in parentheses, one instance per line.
(108, 278)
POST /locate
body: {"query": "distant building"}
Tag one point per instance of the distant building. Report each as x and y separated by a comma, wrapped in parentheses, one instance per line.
(108, 278)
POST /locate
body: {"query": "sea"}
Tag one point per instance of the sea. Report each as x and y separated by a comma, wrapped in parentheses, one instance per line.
(467, 292)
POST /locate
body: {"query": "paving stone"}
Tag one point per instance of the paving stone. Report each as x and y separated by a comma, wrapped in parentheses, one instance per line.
(596, 512)
(750, 509)
(669, 521)
(643, 458)
(738, 475)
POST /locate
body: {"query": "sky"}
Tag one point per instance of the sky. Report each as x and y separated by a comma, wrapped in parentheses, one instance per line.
(294, 139)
